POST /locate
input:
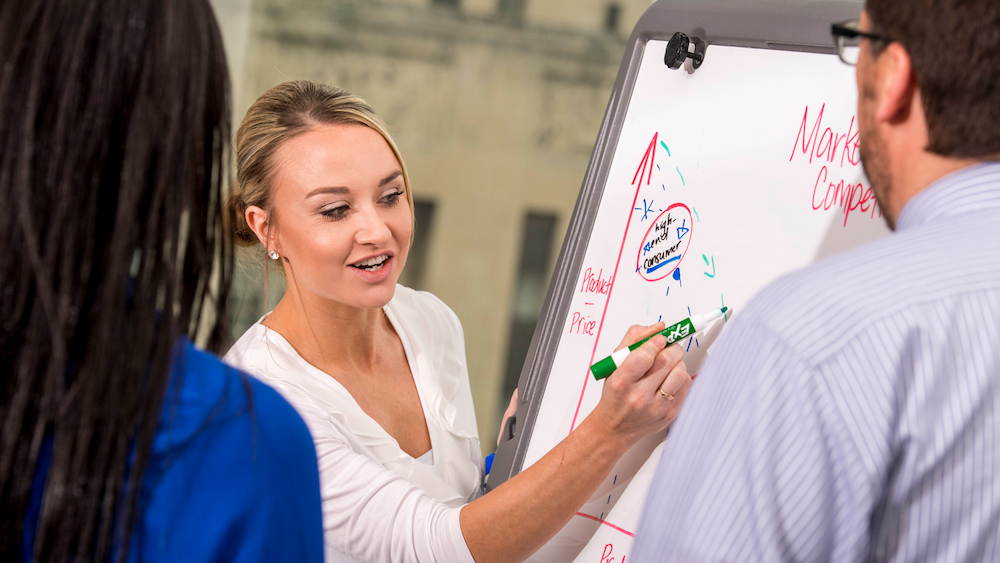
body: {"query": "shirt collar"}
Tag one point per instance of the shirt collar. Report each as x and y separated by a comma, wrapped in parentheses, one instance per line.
(969, 189)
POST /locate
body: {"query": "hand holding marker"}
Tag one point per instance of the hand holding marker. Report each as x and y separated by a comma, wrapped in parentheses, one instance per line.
(673, 333)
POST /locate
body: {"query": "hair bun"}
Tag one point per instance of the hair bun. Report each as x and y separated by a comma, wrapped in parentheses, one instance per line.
(235, 214)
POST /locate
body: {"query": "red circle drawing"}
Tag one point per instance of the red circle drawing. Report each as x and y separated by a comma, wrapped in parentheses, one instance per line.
(664, 253)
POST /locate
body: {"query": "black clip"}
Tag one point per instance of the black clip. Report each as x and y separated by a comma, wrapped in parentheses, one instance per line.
(677, 51)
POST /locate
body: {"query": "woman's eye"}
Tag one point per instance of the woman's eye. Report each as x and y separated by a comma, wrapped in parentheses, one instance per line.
(391, 199)
(336, 213)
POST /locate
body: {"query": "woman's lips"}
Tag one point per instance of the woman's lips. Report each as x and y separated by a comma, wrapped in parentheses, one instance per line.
(377, 275)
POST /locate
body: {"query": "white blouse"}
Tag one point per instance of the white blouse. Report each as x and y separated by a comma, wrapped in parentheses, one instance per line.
(379, 504)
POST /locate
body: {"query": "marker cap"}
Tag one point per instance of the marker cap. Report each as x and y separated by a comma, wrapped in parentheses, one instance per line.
(604, 368)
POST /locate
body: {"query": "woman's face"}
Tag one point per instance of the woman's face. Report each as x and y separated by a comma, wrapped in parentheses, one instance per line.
(343, 222)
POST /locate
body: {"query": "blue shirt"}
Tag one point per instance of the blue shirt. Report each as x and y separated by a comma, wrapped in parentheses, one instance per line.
(224, 482)
(852, 411)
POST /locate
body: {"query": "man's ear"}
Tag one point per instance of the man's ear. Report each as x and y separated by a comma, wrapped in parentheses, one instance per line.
(258, 220)
(896, 85)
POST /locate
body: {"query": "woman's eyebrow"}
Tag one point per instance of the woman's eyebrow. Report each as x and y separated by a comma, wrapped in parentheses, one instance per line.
(327, 190)
(342, 190)
(390, 178)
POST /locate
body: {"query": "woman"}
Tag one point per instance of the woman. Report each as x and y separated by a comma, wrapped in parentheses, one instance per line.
(378, 370)
(121, 441)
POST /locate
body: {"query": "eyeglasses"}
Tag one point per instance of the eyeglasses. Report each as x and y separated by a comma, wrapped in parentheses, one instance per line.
(847, 36)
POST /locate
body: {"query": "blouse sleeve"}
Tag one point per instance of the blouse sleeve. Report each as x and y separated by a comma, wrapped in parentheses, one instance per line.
(369, 512)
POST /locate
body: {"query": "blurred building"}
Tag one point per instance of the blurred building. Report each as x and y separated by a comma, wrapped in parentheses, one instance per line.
(495, 105)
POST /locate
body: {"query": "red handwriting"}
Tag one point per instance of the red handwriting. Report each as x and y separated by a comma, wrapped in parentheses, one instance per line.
(581, 324)
(595, 284)
(849, 197)
(824, 143)
(606, 556)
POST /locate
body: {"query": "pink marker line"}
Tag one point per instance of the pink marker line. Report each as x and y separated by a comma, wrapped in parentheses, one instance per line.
(642, 166)
(606, 523)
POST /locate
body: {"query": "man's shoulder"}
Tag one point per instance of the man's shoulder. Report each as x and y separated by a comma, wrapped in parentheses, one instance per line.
(825, 304)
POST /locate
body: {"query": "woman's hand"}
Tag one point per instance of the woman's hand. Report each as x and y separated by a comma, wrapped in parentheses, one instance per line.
(644, 395)
(511, 410)
(514, 520)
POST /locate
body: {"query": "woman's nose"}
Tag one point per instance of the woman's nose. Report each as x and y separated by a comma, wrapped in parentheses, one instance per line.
(372, 228)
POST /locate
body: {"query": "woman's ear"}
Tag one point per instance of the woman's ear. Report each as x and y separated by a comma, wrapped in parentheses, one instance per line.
(258, 220)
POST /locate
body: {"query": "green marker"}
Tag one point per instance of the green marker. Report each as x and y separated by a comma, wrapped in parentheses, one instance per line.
(675, 332)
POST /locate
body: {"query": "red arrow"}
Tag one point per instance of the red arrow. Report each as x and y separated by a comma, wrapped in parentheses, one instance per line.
(649, 156)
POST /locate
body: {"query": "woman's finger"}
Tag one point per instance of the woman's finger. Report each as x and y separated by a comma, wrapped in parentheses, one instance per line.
(674, 390)
(639, 361)
(636, 333)
(677, 381)
(511, 410)
(665, 361)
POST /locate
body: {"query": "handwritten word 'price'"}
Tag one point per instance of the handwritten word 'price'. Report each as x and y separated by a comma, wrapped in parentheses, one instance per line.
(582, 324)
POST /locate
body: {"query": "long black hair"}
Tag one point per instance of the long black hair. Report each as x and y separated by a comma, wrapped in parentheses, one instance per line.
(114, 136)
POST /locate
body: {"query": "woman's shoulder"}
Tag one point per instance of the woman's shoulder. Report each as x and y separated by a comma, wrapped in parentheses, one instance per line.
(424, 313)
(246, 346)
(418, 299)
(266, 355)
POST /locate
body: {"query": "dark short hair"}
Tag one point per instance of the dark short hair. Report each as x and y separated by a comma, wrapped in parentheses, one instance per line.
(955, 49)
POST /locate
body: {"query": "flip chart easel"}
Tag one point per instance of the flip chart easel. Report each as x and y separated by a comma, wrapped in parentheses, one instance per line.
(704, 186)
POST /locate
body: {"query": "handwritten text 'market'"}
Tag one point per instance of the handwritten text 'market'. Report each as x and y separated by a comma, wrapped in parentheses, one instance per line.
(824, 145)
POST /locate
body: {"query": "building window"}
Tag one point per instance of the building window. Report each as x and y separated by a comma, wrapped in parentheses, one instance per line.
(612, 13)
(532, 282)
(416, 261)
(511, 11)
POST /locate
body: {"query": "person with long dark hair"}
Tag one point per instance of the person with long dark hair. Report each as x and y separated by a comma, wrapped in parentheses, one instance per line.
(121, 440)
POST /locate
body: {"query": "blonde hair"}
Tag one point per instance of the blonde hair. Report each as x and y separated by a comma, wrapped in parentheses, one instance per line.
(284, 111)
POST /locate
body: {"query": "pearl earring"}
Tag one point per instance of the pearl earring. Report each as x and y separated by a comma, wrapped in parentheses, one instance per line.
(273, 254)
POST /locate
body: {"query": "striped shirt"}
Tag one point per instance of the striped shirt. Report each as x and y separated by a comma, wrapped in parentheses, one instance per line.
(852, 411)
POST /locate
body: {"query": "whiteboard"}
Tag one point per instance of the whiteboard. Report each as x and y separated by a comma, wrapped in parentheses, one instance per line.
(722, 180)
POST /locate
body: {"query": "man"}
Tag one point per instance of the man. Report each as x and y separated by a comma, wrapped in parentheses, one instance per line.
(852, 411)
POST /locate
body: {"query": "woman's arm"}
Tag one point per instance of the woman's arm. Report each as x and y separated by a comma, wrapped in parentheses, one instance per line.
(517, 518)
(372, 514)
